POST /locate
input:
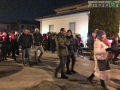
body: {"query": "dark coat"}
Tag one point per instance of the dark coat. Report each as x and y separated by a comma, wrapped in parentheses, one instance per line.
(61, 45)
(91, 43)
(4, 47)
(72, 43)
(25, 41)
(37, 39)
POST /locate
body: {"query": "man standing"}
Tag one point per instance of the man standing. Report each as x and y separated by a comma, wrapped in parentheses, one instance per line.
(38, 44)
(26, 41)
(91, 41)
(61, 46)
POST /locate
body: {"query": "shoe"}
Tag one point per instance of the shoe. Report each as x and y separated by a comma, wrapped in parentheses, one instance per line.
(91, 59)
(64, 77)
(55, 75)
(89, 80)
(105, 88)
(68, 72)
(31, 64)
(24, 64)
(73, 71)
(39, 61)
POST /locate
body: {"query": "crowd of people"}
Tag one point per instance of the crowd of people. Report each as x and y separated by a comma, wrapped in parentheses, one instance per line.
(67, 48)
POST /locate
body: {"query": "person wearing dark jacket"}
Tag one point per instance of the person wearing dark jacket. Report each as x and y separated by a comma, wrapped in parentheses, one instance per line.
(26, 41)
(71, 55)
(4, 47)
(53, 44)
(114, 48)
(91, 41)
(38, 44)
(79, 48)
(62, 51)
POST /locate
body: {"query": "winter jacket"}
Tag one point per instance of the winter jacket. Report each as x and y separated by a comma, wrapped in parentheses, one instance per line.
(72, 44)
(61, 45)
(25, 41)
(100, 54)
(37, 39)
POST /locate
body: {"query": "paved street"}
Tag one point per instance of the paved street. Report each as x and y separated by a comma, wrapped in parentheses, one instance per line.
(15, 76)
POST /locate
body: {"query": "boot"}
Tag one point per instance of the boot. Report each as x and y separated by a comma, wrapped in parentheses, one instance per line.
(68, 72)
(30, 64)
(63, 76)
(39, 60)
(90, 78)
(73, 71)
(55, 75)
(103, 84)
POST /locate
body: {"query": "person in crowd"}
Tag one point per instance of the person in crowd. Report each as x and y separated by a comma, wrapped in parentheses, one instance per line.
(38, 44)
(79, 50)
(91, 41)
(114, 48)
(26, 41)
(12, 45)
(45, 43)
(53, 44)
(4, 47)
(49, 41)
(1, 36)
(17, 44)
(102, 68)
(1, 40)
(62, 51)
(71, 55)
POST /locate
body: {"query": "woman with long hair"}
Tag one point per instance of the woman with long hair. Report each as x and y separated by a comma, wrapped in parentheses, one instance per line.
(71, 55)
(102, 68)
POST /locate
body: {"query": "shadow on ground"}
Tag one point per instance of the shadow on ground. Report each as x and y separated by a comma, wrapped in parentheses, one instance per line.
(9, 68)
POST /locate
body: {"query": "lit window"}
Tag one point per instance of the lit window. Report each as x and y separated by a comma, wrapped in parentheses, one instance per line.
(51, 28)
(72, 27)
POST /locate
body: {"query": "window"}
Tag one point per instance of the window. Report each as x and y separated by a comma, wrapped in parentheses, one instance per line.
(72, 27)
(22, 26)
(51, 28)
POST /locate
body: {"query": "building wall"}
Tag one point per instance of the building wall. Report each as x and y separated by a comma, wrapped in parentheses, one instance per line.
(81, 20)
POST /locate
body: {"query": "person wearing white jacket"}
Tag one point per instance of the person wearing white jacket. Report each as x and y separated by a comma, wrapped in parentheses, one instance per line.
(100, 56)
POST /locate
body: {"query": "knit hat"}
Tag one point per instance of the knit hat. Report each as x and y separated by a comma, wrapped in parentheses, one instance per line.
(100, 33)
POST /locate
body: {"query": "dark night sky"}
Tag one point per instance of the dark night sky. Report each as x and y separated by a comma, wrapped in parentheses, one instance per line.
(13, 10)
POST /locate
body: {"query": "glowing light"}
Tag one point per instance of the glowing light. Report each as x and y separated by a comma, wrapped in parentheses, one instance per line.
(110, 41)
(9, 36)
(3, 37)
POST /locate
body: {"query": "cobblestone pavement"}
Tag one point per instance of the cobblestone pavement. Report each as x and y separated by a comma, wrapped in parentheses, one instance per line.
(41, 76)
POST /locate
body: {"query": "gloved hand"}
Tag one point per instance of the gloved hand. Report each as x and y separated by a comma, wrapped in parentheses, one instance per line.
(108, 49)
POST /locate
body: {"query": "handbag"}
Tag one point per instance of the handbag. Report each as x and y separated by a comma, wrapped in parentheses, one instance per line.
(111, 56)
(103, 64)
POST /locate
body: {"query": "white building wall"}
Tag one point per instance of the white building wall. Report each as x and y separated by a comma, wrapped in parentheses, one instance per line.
(81, 20)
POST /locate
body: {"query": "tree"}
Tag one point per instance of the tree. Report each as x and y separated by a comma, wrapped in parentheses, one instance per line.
(106, 19)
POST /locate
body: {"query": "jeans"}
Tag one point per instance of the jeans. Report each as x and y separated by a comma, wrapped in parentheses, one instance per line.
(72, 56)
(79, 51)
(28, 54)
(61, 65)
(38, 48)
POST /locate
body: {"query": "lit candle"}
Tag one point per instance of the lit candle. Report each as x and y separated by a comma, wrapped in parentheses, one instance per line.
(3, 37)
(9, 36)
(110, 41)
